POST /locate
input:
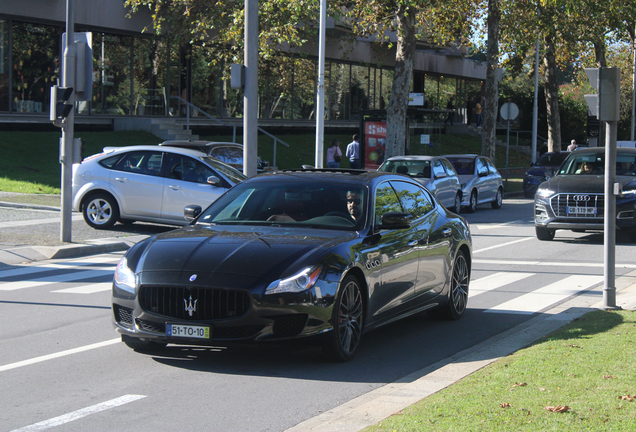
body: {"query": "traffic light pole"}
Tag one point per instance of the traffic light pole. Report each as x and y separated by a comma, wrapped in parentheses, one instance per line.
(66, 147)
(609, 243)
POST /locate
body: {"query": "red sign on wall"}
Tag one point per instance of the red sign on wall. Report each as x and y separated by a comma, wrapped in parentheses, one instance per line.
(374, 143)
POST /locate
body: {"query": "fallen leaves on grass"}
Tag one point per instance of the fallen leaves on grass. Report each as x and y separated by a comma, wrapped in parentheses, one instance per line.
(519, 385)
(627, 397)
(505, 405)
(609, 377)
(558, 408)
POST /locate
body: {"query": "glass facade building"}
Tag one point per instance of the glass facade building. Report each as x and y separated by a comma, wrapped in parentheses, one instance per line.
(135, 74)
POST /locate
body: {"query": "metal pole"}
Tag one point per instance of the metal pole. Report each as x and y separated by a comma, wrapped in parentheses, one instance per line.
(609, 243)
(66, 158)
(250, 95)
(507, 146)
(320, 98)
(535, 106)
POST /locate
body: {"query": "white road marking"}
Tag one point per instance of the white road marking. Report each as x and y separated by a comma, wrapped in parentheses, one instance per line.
(87, 289)
(58, 355)
(494, 281)
(12, 224)
(76, 415)
(502, 245)
(29, 270)
(483, 227)
(67, 277)
(549, 263)
(548, 295)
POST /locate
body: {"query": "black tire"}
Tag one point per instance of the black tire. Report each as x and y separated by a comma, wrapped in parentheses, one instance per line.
(347, 321)
(472, 206)
(496, 204)
(544, 234)
(100, 211)
(458, 292)
(458, 203)
(145, 346)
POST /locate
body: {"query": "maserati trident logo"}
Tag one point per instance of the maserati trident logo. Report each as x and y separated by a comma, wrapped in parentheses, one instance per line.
(189, 307)
(193, 278)
(581, 197)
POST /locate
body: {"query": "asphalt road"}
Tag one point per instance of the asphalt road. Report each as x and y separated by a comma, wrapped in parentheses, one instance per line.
(61, 363)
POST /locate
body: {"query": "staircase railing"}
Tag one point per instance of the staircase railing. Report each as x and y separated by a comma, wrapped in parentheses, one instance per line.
(190, 106)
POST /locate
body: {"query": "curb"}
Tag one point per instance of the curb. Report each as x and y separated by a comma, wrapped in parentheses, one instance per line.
(28, 206)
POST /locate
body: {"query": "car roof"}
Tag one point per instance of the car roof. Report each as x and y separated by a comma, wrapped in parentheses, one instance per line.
(414, 158)
(199, 143)
(329, 175)
(183, 151)
(468, 155)
(602, 150)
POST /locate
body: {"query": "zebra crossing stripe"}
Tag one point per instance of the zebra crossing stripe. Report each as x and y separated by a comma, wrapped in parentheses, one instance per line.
(494, 281)
(87, 289)
(546, 296)
(67, 277)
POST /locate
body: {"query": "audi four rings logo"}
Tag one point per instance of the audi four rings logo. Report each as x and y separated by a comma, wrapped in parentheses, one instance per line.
(581, 197)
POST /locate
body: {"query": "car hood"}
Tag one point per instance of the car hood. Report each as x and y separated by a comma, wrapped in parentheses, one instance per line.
(246, 251)
(582, 183)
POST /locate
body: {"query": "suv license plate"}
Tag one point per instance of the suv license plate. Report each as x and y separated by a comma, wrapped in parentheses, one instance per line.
(188, 331)
(581, 210)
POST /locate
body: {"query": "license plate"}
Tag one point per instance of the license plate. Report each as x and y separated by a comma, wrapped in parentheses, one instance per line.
(581, 210)
(188, 331)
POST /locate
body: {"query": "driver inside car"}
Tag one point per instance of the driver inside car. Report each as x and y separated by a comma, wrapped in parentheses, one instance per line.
(354, 205)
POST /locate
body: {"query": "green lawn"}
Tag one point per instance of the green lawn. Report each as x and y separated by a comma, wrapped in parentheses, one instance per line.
(30, 160)
(579, 378)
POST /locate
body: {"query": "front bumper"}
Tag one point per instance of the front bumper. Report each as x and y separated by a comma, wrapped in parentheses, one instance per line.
(254, 317)
(548, 214)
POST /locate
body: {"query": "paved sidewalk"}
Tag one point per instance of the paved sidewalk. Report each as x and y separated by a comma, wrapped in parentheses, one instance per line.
(30, 230)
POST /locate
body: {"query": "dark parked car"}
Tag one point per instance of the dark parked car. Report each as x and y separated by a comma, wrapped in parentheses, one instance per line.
(574, 198)
(296, 255)
(229, 153)
(542, 170)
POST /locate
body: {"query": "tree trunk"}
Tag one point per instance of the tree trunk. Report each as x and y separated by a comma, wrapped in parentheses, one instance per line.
(396, 133)
(491, 106)
(552, 95)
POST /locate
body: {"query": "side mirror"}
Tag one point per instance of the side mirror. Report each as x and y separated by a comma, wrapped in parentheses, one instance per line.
(191, 212)
(214, 180)
(440, 175)
(483, 173)
(395, 220)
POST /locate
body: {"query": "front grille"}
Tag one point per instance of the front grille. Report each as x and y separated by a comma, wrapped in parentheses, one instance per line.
(123, 316)
(561, 202)
(194, 304)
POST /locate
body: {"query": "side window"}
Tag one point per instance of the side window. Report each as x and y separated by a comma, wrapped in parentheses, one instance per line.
(438, 168)
(110, 161)
(229, 155)
(450, 169)
(140, 162)
(491, 166)
(195, 171)
(482, 168)
(414, 199)
(386, 201)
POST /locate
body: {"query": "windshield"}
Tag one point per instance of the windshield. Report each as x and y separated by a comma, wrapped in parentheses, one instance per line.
(551, 159)
(580, 163)
(232, 173)
(413, 168)
(310, 204)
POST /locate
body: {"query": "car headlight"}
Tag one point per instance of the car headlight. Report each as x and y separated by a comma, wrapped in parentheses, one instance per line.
(545, 193)
(124, 276)
(299, 282)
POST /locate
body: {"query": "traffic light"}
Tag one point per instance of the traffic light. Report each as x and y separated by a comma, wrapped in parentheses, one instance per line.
(605, 105)
(61, 105)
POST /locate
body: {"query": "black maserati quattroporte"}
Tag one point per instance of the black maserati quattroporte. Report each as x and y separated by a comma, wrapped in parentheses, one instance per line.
(286, 255)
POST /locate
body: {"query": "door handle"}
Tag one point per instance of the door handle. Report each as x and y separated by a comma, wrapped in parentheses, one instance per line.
(413, 243)
(121, 179)
(447, 232)
(174, 187)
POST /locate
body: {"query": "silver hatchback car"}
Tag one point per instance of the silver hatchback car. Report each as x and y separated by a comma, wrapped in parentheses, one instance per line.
(480, 180)
(435, 173)
(147, 183)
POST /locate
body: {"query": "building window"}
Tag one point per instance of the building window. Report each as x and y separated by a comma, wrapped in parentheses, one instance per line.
(36, 59)
(4, 65)
(111, 82)
(149, 77)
